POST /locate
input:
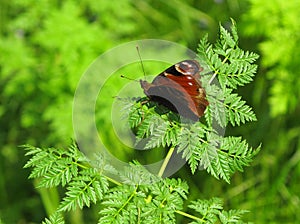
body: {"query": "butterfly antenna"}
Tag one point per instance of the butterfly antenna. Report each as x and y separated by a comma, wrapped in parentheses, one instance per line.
(141, 61)
(125, 77)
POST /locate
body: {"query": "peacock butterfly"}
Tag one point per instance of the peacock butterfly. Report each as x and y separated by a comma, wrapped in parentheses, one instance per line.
(179, 89)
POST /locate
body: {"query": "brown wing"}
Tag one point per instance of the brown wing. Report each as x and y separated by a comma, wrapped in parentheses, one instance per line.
(173, 96)
(194, 90)
(179, 89)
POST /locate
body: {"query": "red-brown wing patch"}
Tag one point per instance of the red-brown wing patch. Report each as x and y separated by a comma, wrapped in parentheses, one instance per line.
(179, 89)
(173, 96)
(194, 90)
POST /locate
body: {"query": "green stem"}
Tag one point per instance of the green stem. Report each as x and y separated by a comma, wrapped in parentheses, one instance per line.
(212, 78)
(189, 216)
(127, 201)
(108, 178)
(112, 180)
(216, 72)
(166, 161)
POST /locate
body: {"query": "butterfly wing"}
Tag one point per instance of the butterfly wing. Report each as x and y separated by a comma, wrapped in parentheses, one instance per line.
(195, 93)
(171, 95)
(179, 89)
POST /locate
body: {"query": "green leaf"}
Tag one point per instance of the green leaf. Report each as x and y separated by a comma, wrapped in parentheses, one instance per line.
(208, 209)
(231, 216)
(190, 144)
(136, 174)
(55, 218)
(119, 206)
(61, 172)
(226, 38)
(216, 108)
(234, 31)
(237, 110)
(148, 125)
(240, 154)
(81, 191)
(167, 198)
(208, 159)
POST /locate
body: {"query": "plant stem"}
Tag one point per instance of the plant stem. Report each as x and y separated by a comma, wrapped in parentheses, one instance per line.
(216, 72)
(112, 180)
(212, 78)
(127, 201)
(166, 161)
(189, 216)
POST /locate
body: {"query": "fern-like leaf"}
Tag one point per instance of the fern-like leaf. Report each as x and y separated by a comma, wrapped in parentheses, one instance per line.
(237, 110)
(55, 218)
(135, 115)
(208, 159)
(136, 174)
(118, 206)
(61, 172)
(211, 211)
(189, 144)
(88, 187)
(208, 209)
(216, 110)
(231, 216)
(239, 153)
(148, 125)
(42, 160)
(56, 166)
(167, 197)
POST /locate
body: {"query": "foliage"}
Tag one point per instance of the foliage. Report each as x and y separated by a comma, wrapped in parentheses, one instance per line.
(200, 143)
(143, 197)
(211, 211)
(45, 47)
(136, 202)
(273, 28)
(60, 167)
(279, 27)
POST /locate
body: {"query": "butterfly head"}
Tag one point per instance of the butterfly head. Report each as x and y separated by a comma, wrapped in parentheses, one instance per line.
(188, 67)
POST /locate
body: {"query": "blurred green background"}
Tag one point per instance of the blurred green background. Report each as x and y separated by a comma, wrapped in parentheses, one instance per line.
(45, 46)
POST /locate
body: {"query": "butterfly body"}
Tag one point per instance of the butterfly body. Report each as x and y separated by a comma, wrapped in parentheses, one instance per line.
(179, 89)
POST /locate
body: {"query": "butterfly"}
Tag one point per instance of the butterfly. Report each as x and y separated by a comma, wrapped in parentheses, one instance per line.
(179, 89)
